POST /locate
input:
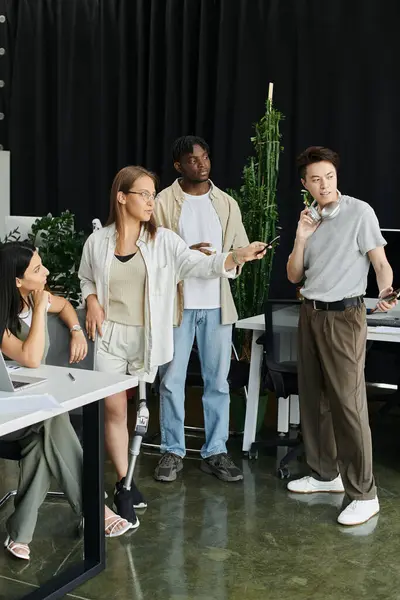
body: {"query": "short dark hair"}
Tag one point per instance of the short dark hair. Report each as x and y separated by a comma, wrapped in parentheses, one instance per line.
(184, 145)
(315, 154)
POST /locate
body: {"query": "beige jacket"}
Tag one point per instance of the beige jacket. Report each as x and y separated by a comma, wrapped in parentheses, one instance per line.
(167, 213)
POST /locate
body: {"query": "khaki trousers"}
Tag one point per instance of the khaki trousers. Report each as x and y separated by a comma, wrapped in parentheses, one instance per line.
(53, 451)
(333, 401)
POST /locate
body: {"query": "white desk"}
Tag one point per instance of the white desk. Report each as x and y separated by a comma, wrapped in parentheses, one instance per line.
(86, 391)
(257, 326)
(88, 387)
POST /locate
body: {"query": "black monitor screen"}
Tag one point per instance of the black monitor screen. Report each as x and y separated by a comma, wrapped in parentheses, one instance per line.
(393, 255)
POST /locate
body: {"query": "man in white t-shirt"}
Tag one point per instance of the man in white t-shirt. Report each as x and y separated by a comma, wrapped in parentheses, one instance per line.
(209, 221)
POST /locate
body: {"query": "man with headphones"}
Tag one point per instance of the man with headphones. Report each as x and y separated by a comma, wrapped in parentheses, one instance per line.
(336, 240)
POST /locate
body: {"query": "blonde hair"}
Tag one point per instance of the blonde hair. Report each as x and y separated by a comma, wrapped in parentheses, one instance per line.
(123, 182)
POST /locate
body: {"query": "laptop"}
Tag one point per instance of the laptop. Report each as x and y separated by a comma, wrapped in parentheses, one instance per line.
(10, 382)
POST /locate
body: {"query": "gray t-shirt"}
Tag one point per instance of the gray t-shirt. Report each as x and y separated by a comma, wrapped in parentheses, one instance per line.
(336, 262)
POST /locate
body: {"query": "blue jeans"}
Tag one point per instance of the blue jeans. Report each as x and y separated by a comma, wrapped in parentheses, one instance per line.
(214, 345)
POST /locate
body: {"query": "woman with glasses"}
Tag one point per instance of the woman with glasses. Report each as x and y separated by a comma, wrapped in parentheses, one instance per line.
(129, 272)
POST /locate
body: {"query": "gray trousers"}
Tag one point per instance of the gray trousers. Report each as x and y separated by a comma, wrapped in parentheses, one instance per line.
(333, 400)
(52, 452)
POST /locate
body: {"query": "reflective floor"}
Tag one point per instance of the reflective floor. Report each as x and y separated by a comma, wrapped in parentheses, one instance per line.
(201, 539)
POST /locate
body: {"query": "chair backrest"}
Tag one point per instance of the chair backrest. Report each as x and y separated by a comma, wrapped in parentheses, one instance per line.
(281, 323)
(58, 354)
(280, 346)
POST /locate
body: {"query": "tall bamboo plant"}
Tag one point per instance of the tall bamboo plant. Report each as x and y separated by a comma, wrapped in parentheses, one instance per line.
(257, 202)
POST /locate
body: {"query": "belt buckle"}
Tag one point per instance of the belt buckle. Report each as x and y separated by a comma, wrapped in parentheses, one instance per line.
(314, 305)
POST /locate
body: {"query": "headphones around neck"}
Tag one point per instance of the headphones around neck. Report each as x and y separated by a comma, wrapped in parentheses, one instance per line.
(330, 211)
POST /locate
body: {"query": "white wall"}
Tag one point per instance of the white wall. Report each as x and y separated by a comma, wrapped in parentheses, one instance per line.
(4, 190)
(24, 225)
(7, 222)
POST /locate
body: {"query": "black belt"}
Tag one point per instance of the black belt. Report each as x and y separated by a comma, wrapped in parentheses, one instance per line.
(340, 305)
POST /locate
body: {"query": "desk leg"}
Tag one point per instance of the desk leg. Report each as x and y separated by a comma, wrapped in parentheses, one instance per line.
(289, 410)
(93, 506)
(253, 393)
(294, 410)
(93, 483)
(283, 415)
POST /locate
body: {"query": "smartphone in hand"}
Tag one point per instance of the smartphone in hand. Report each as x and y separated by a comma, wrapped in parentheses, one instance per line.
(271, 243)
(393, 296)
(389, 298)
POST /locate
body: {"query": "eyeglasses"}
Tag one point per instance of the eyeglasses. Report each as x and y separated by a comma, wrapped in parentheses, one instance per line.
(145, 195)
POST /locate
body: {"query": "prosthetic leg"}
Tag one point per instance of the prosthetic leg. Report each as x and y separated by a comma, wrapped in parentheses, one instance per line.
(142, 423)
(127, 498)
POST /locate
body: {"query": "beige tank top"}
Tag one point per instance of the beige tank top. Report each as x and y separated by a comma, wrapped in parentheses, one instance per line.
(127, 291)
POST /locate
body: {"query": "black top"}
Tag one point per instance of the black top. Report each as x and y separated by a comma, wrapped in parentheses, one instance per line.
(124, 258)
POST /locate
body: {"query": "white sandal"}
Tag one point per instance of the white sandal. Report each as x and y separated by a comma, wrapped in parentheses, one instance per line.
(81, 525)
(118, 521)
(11, 546)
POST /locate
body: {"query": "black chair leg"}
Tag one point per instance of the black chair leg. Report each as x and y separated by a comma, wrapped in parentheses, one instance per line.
(294, 443)
(283, 470)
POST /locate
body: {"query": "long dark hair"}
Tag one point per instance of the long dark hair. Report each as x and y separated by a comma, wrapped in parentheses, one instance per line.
(123, 182)
(14, 260)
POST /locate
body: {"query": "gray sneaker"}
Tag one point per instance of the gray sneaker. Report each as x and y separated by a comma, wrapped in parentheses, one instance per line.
(222, 466)
(168, 466)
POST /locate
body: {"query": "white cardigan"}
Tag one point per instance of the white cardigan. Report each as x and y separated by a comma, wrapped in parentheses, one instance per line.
(168, 260)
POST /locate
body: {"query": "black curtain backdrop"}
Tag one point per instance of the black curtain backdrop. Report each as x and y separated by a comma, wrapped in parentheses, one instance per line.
(93, 85)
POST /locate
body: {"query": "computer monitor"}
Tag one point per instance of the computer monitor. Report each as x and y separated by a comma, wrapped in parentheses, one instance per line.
(392, 236)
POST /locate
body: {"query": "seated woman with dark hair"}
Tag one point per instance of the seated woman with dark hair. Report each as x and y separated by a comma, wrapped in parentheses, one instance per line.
(51, 448)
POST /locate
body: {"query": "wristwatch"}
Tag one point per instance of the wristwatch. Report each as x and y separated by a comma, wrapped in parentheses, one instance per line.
(75, 328)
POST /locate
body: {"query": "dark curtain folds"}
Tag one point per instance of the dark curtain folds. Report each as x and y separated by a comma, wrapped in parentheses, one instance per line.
(94, 85)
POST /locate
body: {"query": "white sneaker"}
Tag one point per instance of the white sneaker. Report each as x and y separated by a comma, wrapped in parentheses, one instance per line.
(362, 530)
(309, 485)
(359, 511)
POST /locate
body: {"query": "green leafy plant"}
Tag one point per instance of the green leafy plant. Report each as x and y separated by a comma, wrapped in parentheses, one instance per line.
(60, 248)
(257, 202)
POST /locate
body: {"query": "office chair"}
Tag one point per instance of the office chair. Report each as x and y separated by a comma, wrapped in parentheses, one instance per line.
(280, 373)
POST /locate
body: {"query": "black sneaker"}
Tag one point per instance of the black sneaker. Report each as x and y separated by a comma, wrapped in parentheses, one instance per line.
(124, 508)
(222, 466)
(137, 497)
(168, 466)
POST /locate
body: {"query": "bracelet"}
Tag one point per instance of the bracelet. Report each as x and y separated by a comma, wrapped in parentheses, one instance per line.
(235, 259)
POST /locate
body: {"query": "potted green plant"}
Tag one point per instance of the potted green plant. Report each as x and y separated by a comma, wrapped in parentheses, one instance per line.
(60, 248)
(257, 202)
